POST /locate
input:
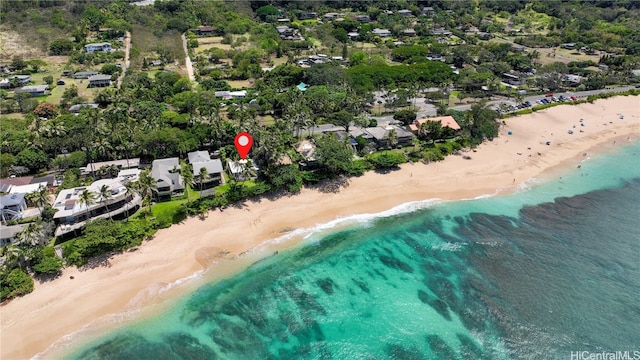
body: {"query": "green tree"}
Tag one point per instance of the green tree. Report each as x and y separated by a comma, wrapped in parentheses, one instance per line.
(48, 79)
(105, 194)
(405, 116)
(187, 178)
(392, 138)
(333, 154)
(61, 47)
(16, 283)
(87, 198)
(6, 162)
(341, 118)
(49, 262)
(267, 12)
(40, 197)
(32, 159)
(203, 176)
(145, 186)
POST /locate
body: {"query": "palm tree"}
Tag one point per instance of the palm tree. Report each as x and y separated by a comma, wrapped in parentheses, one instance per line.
(31, 234)
(145, 186)
(87, 198)
(187, 178)
(392, 138)
(105, 194)
(203, 176)
(130, 189)
(13, 254)
(39, 198)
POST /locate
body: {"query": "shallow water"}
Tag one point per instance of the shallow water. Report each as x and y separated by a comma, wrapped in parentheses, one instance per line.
(536, 274)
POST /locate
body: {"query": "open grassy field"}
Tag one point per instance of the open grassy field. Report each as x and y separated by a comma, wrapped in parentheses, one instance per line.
(237, 84)
(206, 43)
(145, 44)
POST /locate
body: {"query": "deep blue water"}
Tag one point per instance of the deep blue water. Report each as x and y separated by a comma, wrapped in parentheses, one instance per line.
(532, 275)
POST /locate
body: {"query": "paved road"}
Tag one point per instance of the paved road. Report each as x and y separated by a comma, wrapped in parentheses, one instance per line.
(534, 98)
(426, 109)
(187, 59)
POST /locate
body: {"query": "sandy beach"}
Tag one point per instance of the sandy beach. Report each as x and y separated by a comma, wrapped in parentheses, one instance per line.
(136, 279)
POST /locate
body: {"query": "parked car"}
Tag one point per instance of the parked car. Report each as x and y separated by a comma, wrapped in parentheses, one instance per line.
(554, 99)
(574, 98)
(527, 103)
(60, 82)
(549, 95)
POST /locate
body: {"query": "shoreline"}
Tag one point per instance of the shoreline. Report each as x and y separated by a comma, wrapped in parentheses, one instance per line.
(134, 283)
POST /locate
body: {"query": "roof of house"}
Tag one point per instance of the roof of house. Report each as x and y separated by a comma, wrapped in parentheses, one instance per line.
(99, 77)
(49, 179)
(202, 159)
(124, 163)
(67, 202)
(206, 28)
(10, 232)
(198, 156)
(445, 121)
(4, 188)
(28, 188)
(98, 44)
(213, 166)
(33, 88)
(161, 170)
(11, 200)
(24, 180)
(305, 148)
(235, 168)
(87, 73)
(77, 107)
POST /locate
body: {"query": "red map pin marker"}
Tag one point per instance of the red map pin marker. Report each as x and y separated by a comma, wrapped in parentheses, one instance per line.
(243, 142)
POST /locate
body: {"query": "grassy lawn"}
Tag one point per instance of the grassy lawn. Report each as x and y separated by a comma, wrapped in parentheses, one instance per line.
(237, 84)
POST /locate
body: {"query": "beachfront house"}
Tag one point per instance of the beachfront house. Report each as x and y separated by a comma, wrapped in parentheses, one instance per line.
(242, 170)
(447, 123)
(73, 211)
(166, 173)
(11, 234)
(12, 207)
(213, 167)
(380, 135)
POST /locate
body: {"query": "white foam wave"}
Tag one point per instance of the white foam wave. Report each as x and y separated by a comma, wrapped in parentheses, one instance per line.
(135, 306)
(363, 219)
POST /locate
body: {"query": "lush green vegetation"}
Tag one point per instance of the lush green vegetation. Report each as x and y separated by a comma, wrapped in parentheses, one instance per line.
(158, 112)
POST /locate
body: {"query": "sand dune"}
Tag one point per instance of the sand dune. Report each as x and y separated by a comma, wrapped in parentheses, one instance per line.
(139, 279)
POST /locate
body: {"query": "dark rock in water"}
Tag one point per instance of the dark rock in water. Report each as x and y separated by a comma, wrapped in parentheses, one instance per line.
(188, 347)
(424, 297)
(440, 348)
(362, 285)
(397, 351)
(128, 346)
(471, 320)
(394, 263)
(469, 349)
(419, 249)
(326, 285)
(438, 305)
(441, 307)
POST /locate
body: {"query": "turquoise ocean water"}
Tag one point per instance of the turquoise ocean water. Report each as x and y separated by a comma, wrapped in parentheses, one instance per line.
(538, 274)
